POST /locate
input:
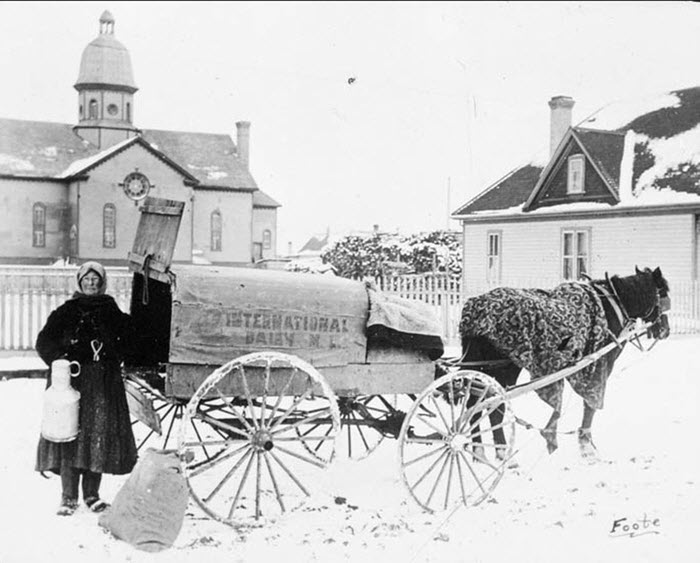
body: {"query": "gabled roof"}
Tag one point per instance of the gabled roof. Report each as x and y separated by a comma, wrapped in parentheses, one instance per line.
(647, 152)
(43, 150)
(211, 158)
(84, 165)
(39, 149)
(601, 148)
(261, 199)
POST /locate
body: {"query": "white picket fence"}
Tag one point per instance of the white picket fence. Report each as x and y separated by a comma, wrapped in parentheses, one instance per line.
(29, 294)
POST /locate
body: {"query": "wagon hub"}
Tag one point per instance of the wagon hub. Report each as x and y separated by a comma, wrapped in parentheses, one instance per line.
(458, 441)
(262, 440)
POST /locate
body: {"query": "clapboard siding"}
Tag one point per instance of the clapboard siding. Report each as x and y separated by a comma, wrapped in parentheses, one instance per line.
(532, 250)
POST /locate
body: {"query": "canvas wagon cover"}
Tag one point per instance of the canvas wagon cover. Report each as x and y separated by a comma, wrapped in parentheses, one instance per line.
(220, 313)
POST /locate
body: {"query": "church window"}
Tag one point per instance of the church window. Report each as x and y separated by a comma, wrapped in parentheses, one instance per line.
(92, 109)
(216, 231)
(39, 225)
(267, 238)
(109, 226)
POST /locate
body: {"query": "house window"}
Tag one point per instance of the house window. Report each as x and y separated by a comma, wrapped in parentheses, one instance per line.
(92, 109)
(575, 254)
(39, 225)
(267, 238)
(109, 226)
(216, 231)
(493, 274)
(576, 174)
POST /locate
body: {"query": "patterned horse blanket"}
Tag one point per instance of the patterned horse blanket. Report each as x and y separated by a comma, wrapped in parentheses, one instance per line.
(545, 331)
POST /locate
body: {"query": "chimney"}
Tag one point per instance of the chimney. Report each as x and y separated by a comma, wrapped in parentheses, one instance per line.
(243, 141)
(560, 120)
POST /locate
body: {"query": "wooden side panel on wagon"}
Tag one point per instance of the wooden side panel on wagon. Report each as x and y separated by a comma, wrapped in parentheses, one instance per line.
(197, 318)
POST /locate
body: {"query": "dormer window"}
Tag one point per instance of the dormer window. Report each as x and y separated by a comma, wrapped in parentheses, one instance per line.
(576, 174)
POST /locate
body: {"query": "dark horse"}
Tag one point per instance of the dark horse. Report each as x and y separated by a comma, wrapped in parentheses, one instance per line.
(546, 331)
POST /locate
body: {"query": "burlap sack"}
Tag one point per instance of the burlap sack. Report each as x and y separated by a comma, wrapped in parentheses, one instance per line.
(149, 509)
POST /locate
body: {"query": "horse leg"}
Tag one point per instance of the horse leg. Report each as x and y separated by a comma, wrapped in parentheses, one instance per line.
(585, 440)
(506, 377)
(549, 432)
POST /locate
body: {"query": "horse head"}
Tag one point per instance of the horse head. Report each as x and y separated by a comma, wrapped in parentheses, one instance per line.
(654, 297)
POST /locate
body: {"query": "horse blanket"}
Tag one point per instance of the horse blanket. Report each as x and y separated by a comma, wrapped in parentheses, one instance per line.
(544, 331)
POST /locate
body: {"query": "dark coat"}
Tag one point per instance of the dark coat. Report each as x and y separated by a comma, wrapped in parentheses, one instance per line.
(105, 442)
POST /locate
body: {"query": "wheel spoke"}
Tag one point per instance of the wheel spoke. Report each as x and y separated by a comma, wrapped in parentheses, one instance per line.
(234, 411)
(228, 475)
(482, 416)
(362, 436)
(295, 403)
(452, 409)
(240, 486)
(265, 390)
(266, 456)
(288, 472)
(482, 459)
(437, 480)
(449, 479)
(301, 457)
(216, 459)
(325, 437)
(422, 419)
(461, 480)
(220, 424)
(248, 398)
(432, 466)
(471, 470)
(298, 423)
(170, 427)
(258, 476)
(200, 437)
(425, 440)
(442, 417)
(422, 456)
(282, 395)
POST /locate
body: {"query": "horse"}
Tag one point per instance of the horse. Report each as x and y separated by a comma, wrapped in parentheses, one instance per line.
(545, 331)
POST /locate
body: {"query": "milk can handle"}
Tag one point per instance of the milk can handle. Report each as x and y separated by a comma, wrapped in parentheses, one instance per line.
(70, 367)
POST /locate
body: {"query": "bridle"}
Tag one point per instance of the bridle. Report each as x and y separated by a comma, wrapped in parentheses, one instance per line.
(608, 292)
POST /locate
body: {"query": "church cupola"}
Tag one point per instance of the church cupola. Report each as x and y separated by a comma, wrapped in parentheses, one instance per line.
(106, 89)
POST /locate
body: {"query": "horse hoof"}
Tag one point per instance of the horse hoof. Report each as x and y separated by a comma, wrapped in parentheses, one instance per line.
(478, 453)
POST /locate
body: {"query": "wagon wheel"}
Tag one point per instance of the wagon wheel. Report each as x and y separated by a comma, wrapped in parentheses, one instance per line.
(155, 418)
(448, 451)
(247, 461)
(365, 421)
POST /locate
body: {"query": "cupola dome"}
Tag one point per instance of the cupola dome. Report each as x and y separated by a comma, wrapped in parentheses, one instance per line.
(105, 61)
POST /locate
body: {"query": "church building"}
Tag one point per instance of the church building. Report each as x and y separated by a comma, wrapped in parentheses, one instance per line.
(73, 191)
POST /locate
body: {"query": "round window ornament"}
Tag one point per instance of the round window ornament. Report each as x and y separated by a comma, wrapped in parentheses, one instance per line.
(112, 109)
(136, 186)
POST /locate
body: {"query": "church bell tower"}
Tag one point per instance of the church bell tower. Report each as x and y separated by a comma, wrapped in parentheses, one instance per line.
(106, 89)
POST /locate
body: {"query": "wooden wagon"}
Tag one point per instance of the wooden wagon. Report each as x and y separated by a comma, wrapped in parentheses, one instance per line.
(262, 374)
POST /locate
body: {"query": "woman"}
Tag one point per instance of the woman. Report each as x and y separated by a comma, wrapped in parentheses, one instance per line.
(90, 329)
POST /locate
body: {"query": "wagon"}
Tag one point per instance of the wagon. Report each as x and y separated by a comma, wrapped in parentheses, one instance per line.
(265, 376)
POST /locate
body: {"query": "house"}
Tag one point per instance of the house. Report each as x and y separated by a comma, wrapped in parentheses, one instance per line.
(74, 190)
(621, 188)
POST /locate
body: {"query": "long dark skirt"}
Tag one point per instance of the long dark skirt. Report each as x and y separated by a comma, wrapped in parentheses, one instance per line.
(105, 442)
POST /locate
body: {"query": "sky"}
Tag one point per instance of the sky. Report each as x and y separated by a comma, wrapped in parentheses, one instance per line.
(362, 113)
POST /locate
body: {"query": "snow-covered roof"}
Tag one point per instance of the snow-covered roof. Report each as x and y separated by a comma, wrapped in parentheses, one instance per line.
(647, 152)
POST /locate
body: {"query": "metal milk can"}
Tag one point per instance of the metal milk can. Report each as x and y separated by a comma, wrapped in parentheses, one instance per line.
(59, 422)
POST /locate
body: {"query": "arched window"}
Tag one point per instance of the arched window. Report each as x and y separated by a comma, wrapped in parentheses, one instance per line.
(128, 112)
(39, 225)
(109, 226)
(216, 230)
(92, 109)
(267, 238)
(81, 111)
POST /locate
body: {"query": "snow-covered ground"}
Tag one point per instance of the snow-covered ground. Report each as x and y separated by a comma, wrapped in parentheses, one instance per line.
(552, 508)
